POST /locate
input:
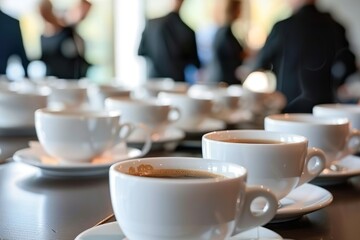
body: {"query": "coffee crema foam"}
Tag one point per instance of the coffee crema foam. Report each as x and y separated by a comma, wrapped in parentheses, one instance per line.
(147, 170)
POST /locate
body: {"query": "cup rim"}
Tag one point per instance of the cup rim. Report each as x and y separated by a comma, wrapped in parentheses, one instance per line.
(310, 119)
(36, 93)
(173, 95)
(339, 107)
(241, 172)
(152, 102)
(77, 113)
(268, 135)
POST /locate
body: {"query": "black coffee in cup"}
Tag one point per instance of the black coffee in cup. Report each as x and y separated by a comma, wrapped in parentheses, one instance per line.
(150, 171)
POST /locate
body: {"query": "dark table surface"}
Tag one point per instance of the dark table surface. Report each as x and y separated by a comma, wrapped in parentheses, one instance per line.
(36, 207)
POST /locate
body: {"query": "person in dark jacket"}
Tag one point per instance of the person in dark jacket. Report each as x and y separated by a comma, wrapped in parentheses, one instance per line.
(310, 56)
(169, 45)
(62, 48)
(228, 52)
(11, 42)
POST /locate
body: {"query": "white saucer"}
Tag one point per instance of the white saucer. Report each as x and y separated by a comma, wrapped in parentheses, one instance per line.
(50, 166)
(351, 165)
(302, 200)
(167, 140)
(112, 231)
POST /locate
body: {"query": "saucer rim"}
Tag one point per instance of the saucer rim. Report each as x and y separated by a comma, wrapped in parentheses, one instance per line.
(288, 212)
(342, 174)
(30, 157)
(111, 225)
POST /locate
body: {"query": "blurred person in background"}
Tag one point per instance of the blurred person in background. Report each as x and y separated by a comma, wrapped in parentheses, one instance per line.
(228, 52)
(62, 48)
(169, 45)
(310, 56)
(11, 43)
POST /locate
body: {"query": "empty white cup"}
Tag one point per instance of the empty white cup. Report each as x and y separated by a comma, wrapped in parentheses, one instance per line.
(157, 115)
(76, 136)
(194, 111)
(17, 108)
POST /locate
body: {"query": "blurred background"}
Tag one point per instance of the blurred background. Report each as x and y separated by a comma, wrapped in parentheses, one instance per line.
(112, 29)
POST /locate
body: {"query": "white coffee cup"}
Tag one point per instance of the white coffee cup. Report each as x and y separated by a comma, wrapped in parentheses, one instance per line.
(154, 86)
(76, 136)
(349, 111)
(278, 161)
(226, 107)
(99, 92)
(153, 113)
(70, 94)
(331, 134)
(17, 108)
(194, 111)
(260, 102)
(179, 209)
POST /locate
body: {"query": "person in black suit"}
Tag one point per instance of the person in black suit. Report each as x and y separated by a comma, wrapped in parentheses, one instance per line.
(62, 48)
(169, 45)
(310, 56)
(11, 42)
(228, 53)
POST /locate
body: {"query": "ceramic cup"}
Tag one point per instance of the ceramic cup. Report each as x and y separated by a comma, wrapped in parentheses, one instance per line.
(225, 103)
(184, 198)
(331, 134)
(194, 111)
(76, 136)
(226, 107)
(70, 94)
(17, 108)
(155, 114)
(278, 161)
(154, 86)
(99, 92)
(259, 102)
(349, 111)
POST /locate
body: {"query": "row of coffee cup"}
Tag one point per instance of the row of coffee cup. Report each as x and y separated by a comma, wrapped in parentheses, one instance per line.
(224, 99)
(192, 110)
(200, 198)
(214, 102)
(194, 198)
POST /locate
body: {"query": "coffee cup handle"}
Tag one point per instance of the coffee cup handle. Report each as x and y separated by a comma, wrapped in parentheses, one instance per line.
(122, 137)
(174, 114)
(148, 142)
(315, 163)
(352, 143)
(250, 218)
(124, 134)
